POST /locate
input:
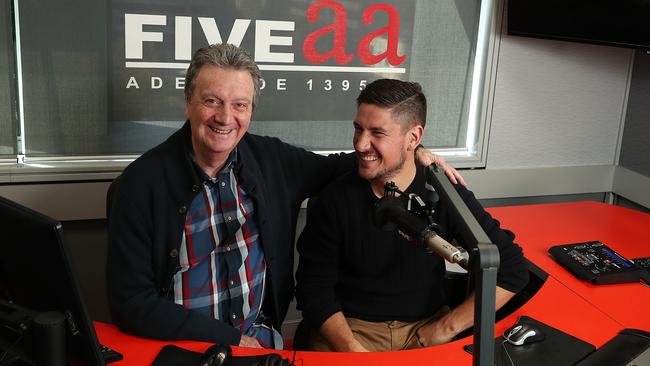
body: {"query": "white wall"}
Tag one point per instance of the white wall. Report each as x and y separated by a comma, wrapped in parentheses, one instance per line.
(557, 103)
(557, 116)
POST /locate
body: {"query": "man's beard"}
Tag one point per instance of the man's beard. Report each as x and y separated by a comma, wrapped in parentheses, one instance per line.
(387, 173)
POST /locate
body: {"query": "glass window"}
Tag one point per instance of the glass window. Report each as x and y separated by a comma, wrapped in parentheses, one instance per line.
(441, 56)
(7, 120)
(110, 79)
(64, 77)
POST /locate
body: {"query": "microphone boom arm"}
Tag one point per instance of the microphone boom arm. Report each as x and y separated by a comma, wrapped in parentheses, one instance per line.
(484, 263)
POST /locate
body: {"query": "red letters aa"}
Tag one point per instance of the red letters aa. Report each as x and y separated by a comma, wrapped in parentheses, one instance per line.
(339, 27)
(392, 34)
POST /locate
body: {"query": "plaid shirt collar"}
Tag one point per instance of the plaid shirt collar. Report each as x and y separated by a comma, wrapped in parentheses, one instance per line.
(230, 164)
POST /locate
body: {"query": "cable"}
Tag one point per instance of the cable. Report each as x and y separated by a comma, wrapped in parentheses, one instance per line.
(505, 349)
(293, 358)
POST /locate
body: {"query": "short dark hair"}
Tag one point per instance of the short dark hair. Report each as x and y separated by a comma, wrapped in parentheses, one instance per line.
(226, 56)
(404, 98)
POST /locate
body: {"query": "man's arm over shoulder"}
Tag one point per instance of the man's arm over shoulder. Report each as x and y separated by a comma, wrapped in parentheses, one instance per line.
(305, 172)
(139, 303)
(308, 173)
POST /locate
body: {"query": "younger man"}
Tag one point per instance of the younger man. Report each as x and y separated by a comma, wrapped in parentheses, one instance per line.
(364, 289)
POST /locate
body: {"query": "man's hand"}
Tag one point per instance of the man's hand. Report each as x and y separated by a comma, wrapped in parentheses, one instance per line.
(250, 342)
(357, 347)
(338, 334)
(460, 318)
(426, 158)
(435, 333)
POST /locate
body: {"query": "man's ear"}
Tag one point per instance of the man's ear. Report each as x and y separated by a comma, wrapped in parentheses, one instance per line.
(414, 136)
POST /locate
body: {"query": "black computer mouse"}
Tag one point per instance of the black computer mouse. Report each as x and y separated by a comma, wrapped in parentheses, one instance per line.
(216, 355)
(523, 333)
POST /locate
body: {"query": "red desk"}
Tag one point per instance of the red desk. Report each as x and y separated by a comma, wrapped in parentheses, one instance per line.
(539, 227)
(554, 305)
(594, 314)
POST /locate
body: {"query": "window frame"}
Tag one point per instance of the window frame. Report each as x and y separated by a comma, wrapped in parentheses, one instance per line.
(472, 155)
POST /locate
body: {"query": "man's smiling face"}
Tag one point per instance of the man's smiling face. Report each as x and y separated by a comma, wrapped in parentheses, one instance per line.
(219, 111)
(380, 143)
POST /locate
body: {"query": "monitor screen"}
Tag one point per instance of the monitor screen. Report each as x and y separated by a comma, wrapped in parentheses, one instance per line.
(39, 276)
(610, 22)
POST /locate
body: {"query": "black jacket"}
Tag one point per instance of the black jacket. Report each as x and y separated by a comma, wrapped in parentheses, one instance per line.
(146, 224)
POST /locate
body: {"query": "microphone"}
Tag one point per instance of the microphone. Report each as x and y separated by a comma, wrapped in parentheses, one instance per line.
(390, 213)
(444, 249)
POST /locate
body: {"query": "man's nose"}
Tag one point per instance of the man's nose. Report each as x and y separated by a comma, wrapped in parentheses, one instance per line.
(224, 115)
(361, 142)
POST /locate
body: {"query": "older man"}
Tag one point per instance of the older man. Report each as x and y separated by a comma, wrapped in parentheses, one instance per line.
(202, 226)
(363, 289)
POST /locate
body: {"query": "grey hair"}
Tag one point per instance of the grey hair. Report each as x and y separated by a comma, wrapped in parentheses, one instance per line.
(226, 56)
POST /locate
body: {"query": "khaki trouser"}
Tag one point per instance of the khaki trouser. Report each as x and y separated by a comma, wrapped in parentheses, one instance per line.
(380, 336)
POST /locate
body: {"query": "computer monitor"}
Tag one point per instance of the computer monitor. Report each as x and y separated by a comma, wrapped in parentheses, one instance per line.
(39, 276)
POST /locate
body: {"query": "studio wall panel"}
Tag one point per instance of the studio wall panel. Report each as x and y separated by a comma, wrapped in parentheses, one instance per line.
(556, 103)
(635, 146)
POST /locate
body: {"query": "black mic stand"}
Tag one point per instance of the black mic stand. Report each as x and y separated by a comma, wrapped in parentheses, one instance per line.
(15, 324)
(28, 337)
(483, 264)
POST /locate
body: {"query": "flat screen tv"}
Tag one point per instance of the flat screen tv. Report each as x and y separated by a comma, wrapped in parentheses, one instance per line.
(623, 23)
(36, 273)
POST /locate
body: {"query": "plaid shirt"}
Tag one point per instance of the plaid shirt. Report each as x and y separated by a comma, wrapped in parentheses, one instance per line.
(222, 268)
